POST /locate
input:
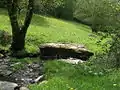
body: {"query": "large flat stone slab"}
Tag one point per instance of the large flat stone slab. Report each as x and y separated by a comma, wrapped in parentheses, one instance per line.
(64, 51)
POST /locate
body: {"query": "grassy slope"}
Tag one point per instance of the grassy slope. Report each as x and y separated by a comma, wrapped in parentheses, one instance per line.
(63, 76)
(44, 29)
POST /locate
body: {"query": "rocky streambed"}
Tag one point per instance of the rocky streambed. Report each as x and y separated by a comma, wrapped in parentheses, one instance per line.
(29, 74)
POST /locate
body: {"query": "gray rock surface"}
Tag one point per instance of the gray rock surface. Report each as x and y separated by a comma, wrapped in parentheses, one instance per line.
(72, 61)
(7, 85)
(24, 88)
(5, 67)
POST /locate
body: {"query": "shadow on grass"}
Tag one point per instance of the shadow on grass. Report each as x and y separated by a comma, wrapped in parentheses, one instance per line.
(3, 12)
(79, 25)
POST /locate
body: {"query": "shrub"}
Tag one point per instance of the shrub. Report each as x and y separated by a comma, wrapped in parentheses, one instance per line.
(58, 8)
(111, 56)
(2, 3)
(114, 53)
(5, 38)
(109, 60)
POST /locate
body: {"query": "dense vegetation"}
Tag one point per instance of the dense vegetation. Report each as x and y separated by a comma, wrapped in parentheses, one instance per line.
(63, 21)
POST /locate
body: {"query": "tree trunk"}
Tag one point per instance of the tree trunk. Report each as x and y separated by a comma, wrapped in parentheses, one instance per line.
(19, 31)
(18, 41)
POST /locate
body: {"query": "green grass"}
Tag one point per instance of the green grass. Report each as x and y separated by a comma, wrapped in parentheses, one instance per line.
(62, 76)
(48, 29)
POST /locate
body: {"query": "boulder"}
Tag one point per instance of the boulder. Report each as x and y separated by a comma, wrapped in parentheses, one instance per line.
(4, 85)
(64, 51)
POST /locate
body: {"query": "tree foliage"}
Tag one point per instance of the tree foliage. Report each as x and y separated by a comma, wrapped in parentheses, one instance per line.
(58, 8)
(100, 14)
(44, 6)
(2, 3)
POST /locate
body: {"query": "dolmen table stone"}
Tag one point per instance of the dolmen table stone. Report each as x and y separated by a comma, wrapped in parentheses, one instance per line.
(64, 51)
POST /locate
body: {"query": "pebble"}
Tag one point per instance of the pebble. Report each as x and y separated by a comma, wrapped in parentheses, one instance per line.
(24, 88)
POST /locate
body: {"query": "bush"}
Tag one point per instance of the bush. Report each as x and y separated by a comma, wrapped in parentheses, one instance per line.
(58, 8)
(5, 38)
(101, 62)
(47, 6)
(2, 3)
(108, 60)
(114, 53)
